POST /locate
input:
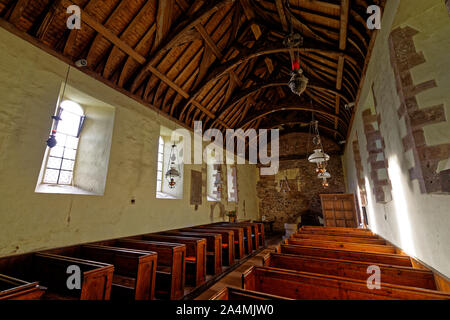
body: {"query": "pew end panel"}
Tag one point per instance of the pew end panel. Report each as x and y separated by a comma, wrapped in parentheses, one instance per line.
(171, 265)
(51, 271)
(249, 279)
(134, 269)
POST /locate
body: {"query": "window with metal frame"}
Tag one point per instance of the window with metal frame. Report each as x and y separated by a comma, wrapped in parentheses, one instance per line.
(159, 173)
(61, 159)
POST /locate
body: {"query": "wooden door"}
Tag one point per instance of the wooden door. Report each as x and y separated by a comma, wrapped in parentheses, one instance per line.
(339, 210)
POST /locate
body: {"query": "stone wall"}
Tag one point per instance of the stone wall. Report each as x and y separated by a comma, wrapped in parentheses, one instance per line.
(406, 86)
(296, 187)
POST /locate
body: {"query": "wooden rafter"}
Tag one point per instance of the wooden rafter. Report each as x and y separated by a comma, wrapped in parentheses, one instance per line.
(150, 51)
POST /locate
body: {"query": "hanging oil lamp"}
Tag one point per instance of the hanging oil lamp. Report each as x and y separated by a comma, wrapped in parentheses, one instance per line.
(173, 174)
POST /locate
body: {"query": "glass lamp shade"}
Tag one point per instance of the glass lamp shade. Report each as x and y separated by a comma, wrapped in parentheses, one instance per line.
(171, 175)
(318, 156)
(325, 175)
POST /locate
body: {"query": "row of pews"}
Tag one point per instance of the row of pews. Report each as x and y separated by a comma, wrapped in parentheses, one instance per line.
(331, 263)
(163, 265)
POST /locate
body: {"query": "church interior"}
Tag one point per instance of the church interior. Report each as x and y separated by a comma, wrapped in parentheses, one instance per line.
(224, 150)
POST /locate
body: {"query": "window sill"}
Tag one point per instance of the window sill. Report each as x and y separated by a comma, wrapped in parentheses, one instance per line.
(162, 195)
(62, 189)
(211, 199)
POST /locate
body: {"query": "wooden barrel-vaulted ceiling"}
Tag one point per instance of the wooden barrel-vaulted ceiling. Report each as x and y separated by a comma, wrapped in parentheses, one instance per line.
(222, 62)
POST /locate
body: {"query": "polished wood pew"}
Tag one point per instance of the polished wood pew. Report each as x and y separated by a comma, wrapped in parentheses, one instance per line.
(248, 243)
(405, 276)
(390, 259)
(239, 246)
(322, 237)
(339, 230)
(171, 265)
(262, 236)
(51, 271)
(134, 270)
(195, 255)
(213, 247)
(16, 289)
(230, 293)
(227, 242)
(339, 234)
(309, 286)
(255, 236)
(257, 233)
(342, 245)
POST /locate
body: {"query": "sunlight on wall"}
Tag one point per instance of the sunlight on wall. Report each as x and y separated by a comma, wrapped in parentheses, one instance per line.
(401, 207)
(370, 208)
(358, 195)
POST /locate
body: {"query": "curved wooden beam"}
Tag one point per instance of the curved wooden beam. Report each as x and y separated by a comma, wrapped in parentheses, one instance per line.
(277, 124)
(260, 50)
(185, 27)
(249, 91)
(283, 107)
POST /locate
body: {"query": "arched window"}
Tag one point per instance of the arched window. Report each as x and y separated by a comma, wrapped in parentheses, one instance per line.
(61, 158)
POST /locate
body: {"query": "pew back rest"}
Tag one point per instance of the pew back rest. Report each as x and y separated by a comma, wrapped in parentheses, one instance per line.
(224, 233)
(406, 276)
(13, 288)
(165, 250)
(211, 239)
(96, 277)
(192, 244)
(392, 259)
(339, 238)
(304, 285)
(343, 245)
(125, 261)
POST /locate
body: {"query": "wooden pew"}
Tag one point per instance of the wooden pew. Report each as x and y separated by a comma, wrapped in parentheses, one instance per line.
(262, 236)
(256, 233)
(213, 247)
(171, 265)
(227, 242)
(134, 270)
(309, 286)
(336, 233)
(51, 271)
(342, 245)
(248, 243)
(339, 230)
(239, 247)
(405, 276)
(390, 259)
(16, 289)
(337, 238)
(230, 293)
(195, 255)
